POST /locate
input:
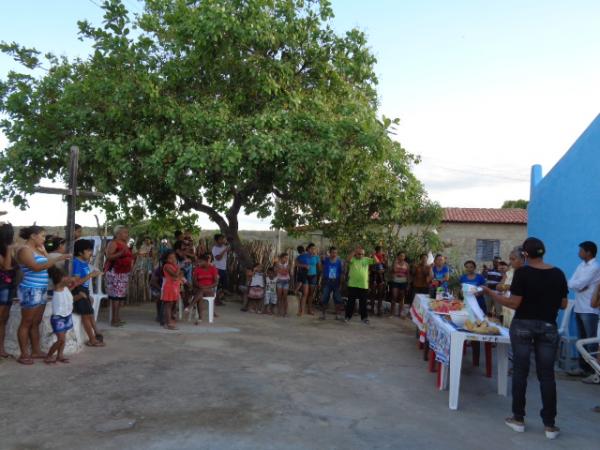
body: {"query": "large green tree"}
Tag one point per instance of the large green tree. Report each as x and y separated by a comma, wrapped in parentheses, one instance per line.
(214, 107)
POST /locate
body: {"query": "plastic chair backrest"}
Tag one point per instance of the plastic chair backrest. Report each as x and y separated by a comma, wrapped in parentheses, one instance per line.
(566, 318)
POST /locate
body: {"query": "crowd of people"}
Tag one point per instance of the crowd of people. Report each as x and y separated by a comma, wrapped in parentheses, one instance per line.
(525, 292)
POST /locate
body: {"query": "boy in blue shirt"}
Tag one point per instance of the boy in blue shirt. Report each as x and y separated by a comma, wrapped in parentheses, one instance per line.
(82, 303)
(332, 277)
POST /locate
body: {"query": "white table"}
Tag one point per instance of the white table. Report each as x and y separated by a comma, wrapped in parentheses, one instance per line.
(443, 333)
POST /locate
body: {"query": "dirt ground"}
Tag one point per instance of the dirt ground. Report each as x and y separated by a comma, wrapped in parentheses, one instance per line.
(250, 381)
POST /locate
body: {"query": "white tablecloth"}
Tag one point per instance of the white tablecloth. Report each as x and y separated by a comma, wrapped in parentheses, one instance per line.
(447, 341)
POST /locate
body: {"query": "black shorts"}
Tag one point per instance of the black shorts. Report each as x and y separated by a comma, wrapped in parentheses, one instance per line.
(83, 306)
(302, 276)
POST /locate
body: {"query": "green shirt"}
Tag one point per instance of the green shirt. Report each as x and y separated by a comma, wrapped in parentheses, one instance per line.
(358, 272)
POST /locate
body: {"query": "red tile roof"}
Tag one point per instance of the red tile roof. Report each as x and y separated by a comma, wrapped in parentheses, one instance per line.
(485, 215)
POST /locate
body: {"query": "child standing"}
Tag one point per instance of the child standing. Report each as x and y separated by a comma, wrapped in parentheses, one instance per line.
(283, 284)
(81, 292)
(61, 318)
(256, 288)
(270, 291)
(171, 287)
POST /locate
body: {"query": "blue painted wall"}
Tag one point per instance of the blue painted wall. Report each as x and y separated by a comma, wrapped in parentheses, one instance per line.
(564, 206)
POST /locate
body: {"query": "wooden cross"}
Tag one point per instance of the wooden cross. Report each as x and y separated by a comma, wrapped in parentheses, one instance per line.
(71, 193)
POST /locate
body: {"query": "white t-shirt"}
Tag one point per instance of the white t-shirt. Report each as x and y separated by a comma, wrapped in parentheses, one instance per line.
(587, 275)
(220, 264)
(271, 284)
(62, 303)
(258, 280)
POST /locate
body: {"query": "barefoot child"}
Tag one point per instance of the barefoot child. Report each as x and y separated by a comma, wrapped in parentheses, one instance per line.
(171, 288)
(206, 280)
(61, 318)
(270, 291)
(82, 303)
(283, 284)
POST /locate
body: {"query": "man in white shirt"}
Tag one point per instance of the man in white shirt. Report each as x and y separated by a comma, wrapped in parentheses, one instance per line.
(584, 282)
(219, 252)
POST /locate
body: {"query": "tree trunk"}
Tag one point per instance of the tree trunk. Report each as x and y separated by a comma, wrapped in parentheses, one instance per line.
(233, 237)
(228, 225)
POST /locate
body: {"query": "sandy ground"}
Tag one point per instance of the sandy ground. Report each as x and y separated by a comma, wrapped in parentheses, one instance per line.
(250, 381)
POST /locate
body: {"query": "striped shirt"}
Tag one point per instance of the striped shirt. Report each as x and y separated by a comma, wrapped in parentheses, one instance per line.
(33, 279)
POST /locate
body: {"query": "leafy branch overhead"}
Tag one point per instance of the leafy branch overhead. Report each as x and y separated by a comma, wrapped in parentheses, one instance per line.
(212, 107)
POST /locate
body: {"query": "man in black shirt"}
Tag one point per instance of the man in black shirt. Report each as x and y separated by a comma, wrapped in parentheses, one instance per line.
(538, 291)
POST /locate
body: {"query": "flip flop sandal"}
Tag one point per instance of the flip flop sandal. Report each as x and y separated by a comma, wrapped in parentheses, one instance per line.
(49, 361)
(64, 360)
(25, 361)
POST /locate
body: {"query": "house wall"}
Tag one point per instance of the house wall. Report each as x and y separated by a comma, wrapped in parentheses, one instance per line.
(564, 208)
(461, 239)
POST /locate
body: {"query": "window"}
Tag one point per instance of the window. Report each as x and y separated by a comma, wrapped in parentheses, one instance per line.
(487, 249)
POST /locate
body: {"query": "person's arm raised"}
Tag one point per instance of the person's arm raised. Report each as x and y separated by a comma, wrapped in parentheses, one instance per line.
(28, 260)
(512, 302)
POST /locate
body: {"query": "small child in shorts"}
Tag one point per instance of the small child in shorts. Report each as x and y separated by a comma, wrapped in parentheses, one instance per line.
(270, 291)
(62, 317)
(282, 269)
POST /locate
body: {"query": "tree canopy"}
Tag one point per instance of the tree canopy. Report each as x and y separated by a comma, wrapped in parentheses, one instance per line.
(212, 107)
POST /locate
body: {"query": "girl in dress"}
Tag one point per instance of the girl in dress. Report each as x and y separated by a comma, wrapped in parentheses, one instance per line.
(171, 287)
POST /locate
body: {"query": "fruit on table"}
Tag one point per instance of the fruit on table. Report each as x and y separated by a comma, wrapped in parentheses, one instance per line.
(444, 306)
(481, 327)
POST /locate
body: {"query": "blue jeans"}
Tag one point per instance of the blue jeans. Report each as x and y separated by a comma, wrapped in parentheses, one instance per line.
(5, 297)
(30, 298)
(587, 327)
(543, 337)
(329, 288)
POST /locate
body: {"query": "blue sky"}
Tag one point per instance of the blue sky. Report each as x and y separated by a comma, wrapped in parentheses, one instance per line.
(483, 89)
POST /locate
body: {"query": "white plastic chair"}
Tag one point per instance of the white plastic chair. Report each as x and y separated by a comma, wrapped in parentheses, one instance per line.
(590, 357)
(211, 309)
(97, 294)
(567, 356)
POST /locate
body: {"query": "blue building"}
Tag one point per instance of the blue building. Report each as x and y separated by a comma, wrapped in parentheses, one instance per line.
(564, 206)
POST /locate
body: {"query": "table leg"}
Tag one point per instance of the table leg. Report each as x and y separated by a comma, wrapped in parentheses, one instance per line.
(476, 353)
(457, 341)
(443, 377)
(502, 356)
(432, 361)
(488, 359)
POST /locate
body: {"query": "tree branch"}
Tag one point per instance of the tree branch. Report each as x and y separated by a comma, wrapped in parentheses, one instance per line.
(212, 213)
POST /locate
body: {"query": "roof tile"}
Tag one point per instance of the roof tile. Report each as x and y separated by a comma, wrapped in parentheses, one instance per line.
(485, 215)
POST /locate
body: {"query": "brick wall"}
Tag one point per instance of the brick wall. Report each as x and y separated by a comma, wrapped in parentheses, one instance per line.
(461, 239)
